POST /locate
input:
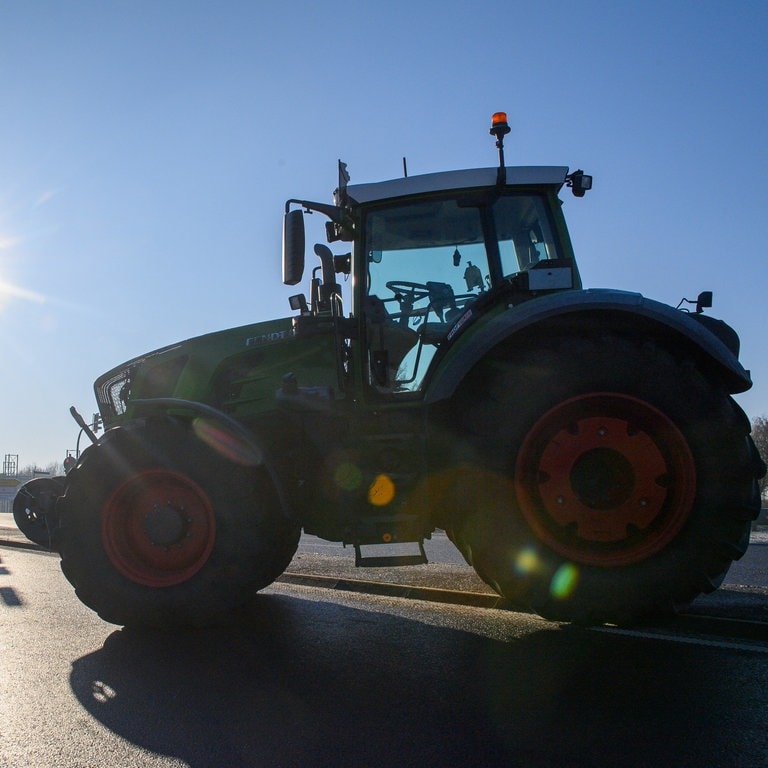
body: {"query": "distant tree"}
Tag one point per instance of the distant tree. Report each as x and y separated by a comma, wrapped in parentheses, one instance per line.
(32, 470)
(760, 436)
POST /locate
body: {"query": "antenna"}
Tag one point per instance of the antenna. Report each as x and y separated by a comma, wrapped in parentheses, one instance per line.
(405, 169)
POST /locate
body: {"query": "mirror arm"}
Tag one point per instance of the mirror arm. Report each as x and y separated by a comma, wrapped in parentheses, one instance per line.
(333, 212)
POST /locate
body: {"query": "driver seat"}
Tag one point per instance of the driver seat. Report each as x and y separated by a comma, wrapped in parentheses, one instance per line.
(442, 301)
(441, 297)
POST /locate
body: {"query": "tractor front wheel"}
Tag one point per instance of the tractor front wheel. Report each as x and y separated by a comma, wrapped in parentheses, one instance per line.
(159, 529)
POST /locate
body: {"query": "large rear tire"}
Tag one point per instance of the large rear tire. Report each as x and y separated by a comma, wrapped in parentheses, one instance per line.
(610, 482)
(158, 529)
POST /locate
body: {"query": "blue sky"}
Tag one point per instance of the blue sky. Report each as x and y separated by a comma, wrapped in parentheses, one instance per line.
(147, 149)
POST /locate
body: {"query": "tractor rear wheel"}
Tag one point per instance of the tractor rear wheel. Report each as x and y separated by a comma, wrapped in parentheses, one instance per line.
(159, 529)
(612, 481)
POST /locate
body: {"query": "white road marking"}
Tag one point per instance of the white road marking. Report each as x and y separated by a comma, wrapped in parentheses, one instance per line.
(755, 647)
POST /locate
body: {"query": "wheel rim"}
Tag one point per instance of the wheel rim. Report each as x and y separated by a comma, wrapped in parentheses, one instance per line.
(605, 479)
(158, 528)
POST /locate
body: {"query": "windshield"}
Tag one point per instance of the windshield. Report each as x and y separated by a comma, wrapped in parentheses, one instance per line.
(429, 260)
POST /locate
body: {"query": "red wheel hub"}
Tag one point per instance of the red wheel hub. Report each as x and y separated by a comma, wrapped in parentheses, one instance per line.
(605, 479)
(158, 528)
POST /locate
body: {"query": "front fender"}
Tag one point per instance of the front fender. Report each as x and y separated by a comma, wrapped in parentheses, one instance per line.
(234, 441)
(478, 336)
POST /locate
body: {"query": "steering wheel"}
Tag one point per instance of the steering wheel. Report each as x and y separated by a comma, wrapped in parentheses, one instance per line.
(417, 291)
(407, 294)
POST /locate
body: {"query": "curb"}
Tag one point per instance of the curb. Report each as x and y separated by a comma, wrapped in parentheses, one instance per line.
(384, 589)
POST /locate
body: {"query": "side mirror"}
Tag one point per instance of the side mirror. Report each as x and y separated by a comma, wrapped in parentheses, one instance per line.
(293, 247)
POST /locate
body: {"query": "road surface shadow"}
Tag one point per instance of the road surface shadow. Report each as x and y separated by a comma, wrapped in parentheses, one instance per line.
(305, 683)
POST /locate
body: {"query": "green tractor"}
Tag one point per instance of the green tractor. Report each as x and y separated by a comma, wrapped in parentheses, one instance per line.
(447, 370)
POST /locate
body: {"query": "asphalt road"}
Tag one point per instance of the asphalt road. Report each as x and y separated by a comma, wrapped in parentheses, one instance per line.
(309, 676)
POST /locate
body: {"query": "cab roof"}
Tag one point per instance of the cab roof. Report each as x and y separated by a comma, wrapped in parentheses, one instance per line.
(527, 175)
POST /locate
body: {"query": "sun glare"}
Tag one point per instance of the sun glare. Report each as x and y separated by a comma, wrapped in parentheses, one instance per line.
(8, 241)
(9, 291)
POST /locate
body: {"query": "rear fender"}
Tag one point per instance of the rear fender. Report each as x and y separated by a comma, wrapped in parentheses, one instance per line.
(611, 307)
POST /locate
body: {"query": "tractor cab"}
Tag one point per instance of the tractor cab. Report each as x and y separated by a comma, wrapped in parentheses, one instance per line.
(430, 254)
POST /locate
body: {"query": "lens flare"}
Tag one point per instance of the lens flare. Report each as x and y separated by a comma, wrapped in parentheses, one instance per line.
(564, 581)
(526, 561)
(226, 444)
(348, 476)
(381, 491)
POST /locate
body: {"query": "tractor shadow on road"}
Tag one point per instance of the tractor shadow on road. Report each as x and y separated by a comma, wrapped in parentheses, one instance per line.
(305, 683)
